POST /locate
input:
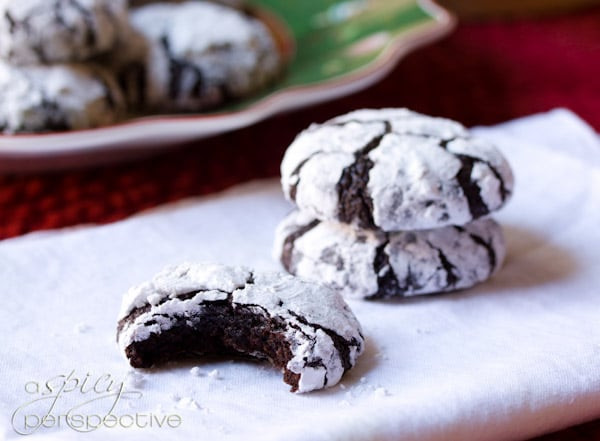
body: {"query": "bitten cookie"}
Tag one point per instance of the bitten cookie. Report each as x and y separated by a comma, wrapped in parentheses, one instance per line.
(191, 56)
(57, 97)
(376, 264)
(394, 169)
(44, 31)
(303, 328)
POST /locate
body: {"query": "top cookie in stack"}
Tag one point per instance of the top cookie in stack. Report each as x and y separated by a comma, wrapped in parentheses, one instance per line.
(76, 64)
(393, 203)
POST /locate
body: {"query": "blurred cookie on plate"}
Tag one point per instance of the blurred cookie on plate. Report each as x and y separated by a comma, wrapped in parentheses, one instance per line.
(58, 97)
(192, 56)
(49, 31)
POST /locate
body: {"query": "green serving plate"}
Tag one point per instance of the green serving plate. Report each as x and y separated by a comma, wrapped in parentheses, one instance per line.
(332, 48)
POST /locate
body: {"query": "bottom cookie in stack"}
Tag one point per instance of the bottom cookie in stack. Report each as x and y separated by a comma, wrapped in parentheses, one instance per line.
(376, 264)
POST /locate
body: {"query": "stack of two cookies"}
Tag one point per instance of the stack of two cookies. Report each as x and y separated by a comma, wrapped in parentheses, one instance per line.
(392, 203)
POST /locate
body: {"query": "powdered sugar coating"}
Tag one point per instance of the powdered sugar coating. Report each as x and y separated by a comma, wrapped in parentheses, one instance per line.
(394, 169)
(371, 263)
(44, 31)
(57, 97)
(193, 55)
(312, 314)
(216, 280)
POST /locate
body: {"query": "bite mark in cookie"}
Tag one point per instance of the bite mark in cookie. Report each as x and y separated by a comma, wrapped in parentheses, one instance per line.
(301, 327)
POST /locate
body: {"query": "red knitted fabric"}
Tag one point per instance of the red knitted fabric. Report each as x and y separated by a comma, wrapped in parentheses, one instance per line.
(482, 74)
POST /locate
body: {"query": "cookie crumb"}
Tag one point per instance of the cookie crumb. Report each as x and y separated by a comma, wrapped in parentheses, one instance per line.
(197, 372)
(381, 355)
(381, 392)
(188, 403)
(135, 380)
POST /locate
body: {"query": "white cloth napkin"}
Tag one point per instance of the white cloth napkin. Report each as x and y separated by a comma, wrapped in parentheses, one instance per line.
(510, 359)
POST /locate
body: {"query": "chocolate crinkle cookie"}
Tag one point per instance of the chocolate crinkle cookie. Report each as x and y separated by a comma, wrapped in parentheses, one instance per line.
(49, 31)
(392, 203)
(192, 56)
(378, 264)
(301, 327)
(394, 170)
(41, 98)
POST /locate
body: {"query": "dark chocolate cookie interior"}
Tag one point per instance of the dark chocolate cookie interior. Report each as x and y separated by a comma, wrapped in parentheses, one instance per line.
(220, 328)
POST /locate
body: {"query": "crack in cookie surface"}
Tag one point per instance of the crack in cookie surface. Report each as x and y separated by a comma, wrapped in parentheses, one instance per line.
(387, 281)
(487, 244)
(355, 202)
(287, 252)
